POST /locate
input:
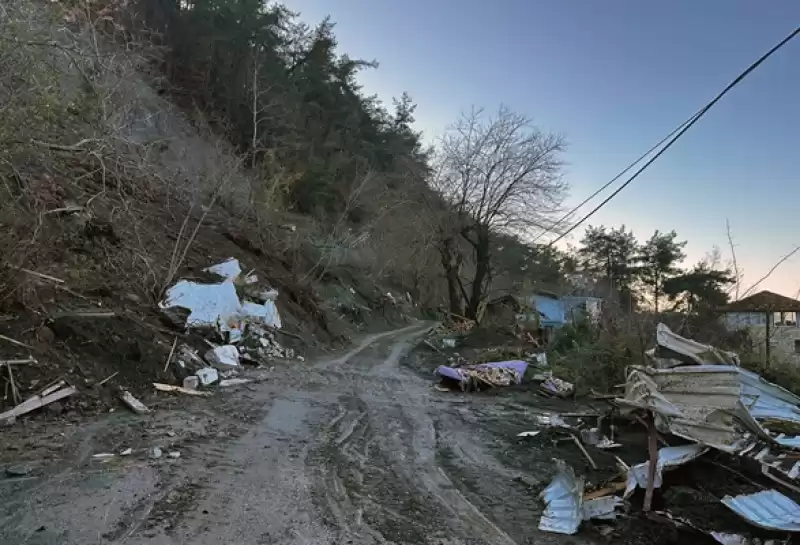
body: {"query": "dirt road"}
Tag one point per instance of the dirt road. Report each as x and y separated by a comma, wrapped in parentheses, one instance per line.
(357, 449)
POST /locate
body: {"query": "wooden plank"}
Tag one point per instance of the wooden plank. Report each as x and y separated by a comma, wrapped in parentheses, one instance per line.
(180, 389)
(652, 446)
(37, 402)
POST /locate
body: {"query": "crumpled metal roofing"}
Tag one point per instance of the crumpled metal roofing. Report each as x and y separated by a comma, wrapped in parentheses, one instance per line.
(668, 458)
(695, 402)
(767, 509)
(564, 500)
(711, 403)
(670, 345)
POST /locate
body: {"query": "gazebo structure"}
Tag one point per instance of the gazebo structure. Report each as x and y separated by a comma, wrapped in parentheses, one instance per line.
(760, 311)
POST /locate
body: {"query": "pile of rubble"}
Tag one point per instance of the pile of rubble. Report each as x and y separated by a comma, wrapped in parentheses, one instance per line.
(239, 321)
(238, 313)
(695, 393)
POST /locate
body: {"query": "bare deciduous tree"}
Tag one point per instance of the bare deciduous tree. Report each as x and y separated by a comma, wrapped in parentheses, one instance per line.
(496, 173)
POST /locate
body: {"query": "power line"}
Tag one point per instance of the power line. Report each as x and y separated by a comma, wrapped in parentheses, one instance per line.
(693, 120)
(615, 178)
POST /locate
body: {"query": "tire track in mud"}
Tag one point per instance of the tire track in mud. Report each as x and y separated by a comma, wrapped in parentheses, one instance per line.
(378, 467)
(352, 450)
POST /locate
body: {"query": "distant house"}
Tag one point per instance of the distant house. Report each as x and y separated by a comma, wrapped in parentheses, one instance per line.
(767, 315)
(552, 312)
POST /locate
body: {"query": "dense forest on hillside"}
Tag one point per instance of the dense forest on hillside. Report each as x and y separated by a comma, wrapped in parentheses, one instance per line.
(451, 223)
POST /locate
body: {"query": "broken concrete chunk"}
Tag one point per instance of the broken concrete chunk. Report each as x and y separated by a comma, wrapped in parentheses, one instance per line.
(223, 357)
(191, 383)
(154, 453)
(132, 403)
(207, 376)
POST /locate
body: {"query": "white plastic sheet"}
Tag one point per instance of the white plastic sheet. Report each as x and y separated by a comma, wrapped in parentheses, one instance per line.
(219, 306)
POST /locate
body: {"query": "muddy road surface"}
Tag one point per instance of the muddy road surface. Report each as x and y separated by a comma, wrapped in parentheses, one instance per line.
(356, 449)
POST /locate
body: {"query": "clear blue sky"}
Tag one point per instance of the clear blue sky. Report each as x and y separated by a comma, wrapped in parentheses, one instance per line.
(615, 77)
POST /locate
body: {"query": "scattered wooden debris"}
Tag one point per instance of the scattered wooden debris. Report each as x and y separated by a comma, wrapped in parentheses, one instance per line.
(613, 488)
(84, 314)
(107, 379)
(652, 446)
(48, 396)
(585, 453)
(132, 403)
(14, 389)
(42, 276)
(234, 382)
(179, 389)
(171, 352)
(103, 456)
(18, 362)
(14, 341)
(52, 387)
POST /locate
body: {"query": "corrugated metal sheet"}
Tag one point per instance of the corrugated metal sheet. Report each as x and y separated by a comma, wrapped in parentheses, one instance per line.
(672, 345)
(564, 500)
(767, 509)
(668, 458)
(696, 402)
(766, 401)
(712, 404)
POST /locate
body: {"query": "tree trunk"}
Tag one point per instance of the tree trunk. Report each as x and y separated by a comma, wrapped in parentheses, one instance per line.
(481, 274)
(452, 266)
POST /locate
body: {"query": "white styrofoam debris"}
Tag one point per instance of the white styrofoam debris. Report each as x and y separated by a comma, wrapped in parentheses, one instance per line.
(265, 312)
(207, 375)
(127, 452)
(218, 305)
(223, 357)
(228, 270)
(175, 454)
(208, 303)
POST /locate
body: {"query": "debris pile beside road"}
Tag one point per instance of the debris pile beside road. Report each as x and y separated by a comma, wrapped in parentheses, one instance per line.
(699, 399)
(239, 319)
(51, 394)
(485, 375)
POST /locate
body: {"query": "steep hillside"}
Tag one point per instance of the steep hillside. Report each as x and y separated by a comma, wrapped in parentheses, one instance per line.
(110, 193)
